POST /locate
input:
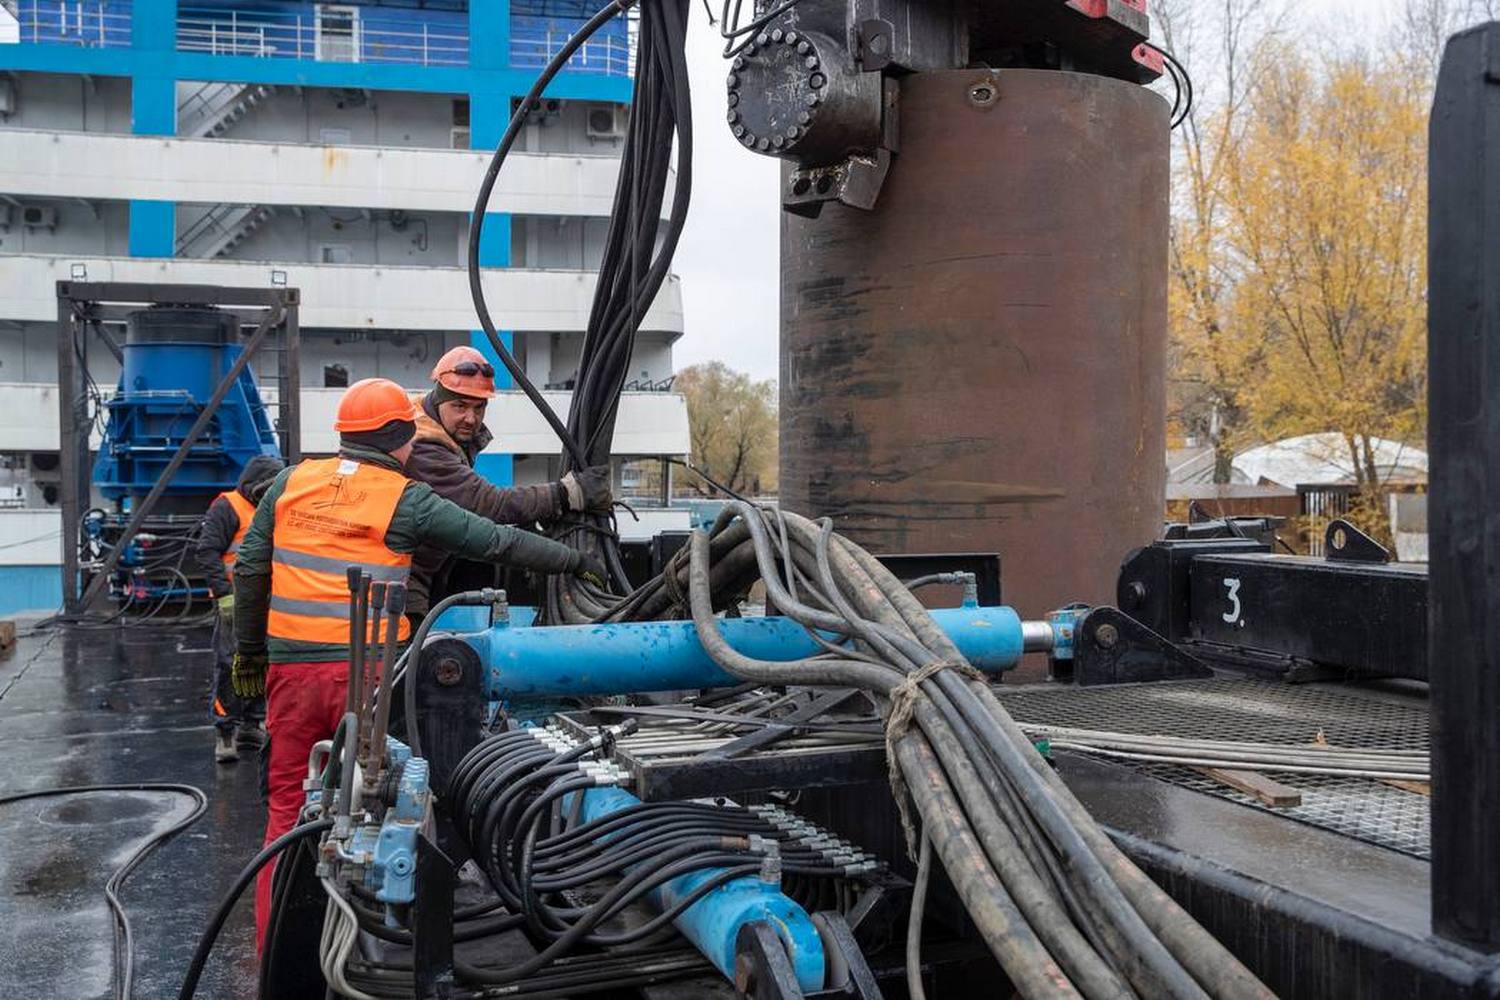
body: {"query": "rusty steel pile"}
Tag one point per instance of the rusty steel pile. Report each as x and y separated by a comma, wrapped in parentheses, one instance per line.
(978, 363)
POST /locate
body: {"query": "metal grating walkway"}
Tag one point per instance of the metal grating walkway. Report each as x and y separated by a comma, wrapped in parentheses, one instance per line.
(1264, 712)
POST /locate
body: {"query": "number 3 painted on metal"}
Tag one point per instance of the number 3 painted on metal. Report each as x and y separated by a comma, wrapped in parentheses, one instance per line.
(1233, 586)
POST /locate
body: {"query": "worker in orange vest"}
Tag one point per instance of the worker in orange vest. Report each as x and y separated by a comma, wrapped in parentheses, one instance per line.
(239, 723)
(317, 519)
(450, 435)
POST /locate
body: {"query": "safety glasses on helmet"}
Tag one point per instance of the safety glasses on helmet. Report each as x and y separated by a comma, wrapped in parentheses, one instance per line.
(468, 369)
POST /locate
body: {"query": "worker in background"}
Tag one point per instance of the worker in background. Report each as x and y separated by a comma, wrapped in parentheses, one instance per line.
(291, 586)
(450, 434)
(239, 723)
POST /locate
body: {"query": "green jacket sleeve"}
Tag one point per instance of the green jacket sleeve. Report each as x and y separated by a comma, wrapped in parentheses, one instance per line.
(252, 573)
(423, 517)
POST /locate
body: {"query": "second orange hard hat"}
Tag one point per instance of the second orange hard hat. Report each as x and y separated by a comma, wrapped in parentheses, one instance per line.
(371, 403)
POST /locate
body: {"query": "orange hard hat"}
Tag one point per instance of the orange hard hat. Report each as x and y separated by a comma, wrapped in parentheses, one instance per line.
(465, 371)
(371, 403)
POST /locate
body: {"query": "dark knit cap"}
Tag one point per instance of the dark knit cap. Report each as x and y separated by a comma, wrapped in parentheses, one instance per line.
(387, 437)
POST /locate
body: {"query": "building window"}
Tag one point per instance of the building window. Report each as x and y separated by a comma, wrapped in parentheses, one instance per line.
(337, 33)
(335, 253)
(335, 377)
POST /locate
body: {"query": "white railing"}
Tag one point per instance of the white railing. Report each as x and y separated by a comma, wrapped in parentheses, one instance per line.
(214, 230)
(222, 37)
(297, 36)
(607, 56)
(93, 24)
(212, 105)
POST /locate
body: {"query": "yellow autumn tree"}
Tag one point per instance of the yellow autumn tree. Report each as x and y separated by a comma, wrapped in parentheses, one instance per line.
(732, 424)
(1327, 207)
(1210, 359)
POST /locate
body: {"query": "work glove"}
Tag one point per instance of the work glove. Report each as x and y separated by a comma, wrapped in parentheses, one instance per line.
(591, 568)
(226, 610)
(247, 675)
(588, 490)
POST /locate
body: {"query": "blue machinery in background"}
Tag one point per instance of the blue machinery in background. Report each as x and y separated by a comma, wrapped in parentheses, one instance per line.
(185, 419)
(172, 360)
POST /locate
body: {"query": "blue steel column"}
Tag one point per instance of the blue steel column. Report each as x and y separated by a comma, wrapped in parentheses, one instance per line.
(489, 111)
(153, 111)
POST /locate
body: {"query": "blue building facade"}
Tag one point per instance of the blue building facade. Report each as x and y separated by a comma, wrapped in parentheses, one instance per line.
(438, 56)
(488, 50)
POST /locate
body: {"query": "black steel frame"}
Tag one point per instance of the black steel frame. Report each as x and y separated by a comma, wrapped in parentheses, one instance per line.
(1463, 438)
(1234, 601)
(84, 307)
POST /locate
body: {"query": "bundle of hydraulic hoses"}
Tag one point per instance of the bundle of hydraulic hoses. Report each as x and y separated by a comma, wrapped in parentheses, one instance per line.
(525, 789)
(1059, 905)
(637, 255)
(636, 258)
(515, 800)
(1313, 757)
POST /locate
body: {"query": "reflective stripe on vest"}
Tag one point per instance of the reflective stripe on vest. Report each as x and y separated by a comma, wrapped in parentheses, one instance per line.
(332, 514)
(244, 510)
(324, 564)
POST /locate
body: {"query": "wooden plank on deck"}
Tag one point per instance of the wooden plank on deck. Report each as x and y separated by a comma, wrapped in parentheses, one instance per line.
(1257, 785)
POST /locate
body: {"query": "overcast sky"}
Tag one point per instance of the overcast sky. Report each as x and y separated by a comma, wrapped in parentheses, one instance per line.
(728, 255)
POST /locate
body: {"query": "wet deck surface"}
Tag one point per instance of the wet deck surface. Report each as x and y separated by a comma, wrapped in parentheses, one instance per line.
(112, 706)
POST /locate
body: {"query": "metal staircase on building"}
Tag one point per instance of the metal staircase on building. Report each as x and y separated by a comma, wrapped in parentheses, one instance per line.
(213, 108)
(220, 230)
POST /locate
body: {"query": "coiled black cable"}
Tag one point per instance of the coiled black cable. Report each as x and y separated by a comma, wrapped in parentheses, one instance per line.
(509, 790)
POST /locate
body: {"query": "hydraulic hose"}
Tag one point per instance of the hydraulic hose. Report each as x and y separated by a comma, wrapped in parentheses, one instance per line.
(124, 968)
(481, 206)
(247, 875)
(1059, 906)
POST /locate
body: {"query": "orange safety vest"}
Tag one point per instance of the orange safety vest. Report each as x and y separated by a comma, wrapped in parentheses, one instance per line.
(332, 514)
(244, 510)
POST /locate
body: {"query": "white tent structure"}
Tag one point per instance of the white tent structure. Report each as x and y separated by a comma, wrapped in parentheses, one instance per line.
(1324, 460)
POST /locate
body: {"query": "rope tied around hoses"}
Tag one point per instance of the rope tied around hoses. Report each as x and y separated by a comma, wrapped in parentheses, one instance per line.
(900, 714)
(679, 607)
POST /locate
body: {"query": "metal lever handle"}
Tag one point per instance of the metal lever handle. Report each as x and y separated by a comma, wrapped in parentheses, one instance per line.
(395, 605)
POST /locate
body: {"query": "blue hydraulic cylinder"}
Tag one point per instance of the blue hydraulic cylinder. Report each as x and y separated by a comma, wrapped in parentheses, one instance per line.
(713, 923)
(665, 656)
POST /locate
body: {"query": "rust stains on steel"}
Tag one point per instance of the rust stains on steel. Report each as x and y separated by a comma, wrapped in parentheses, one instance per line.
(978, 364)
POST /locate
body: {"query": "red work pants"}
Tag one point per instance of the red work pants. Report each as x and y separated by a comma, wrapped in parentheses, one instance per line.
(304, 703)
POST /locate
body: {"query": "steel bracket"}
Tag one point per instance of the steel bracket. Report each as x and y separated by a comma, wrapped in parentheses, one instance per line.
(1110, 647)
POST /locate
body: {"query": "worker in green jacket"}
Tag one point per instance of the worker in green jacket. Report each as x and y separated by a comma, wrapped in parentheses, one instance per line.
(291, 607)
